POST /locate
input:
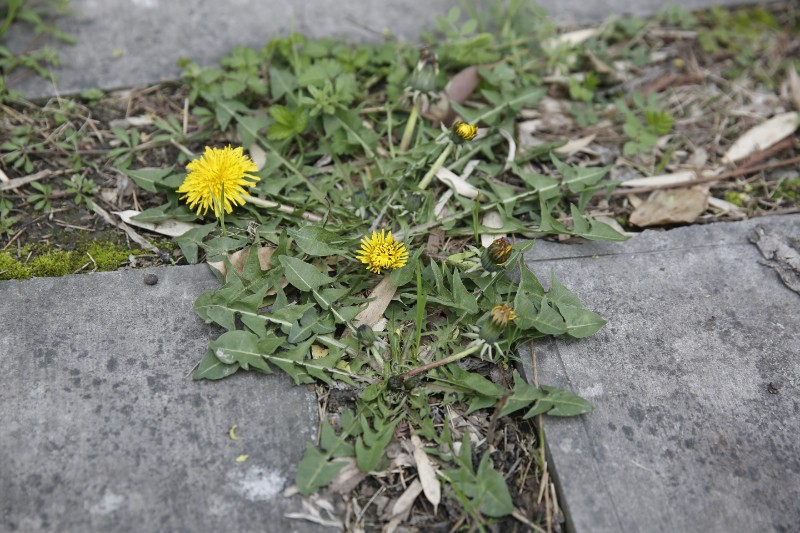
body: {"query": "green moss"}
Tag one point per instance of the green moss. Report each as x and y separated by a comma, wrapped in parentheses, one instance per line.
(107, 255)
(736, 198)
(52, 264)
(11, 268)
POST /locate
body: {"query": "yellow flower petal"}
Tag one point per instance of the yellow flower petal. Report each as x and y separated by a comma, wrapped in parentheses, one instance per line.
(382, 252)
(203, 187)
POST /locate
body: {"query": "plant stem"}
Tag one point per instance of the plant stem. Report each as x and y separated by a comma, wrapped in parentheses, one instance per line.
(446, 361)
(409, 131)
(437, 165)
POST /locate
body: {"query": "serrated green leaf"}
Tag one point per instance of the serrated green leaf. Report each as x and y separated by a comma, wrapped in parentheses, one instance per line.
(524, 395)
(559, 402)
(282, 115)
(232, 88)
(548, 320)
(302, 275)
(279, 132)
(315, 470)
(559, 294)
(282, 83)
(462, 297)
(335, 445)
(370, 458)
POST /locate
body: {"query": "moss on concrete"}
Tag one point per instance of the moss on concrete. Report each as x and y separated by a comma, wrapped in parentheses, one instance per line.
(107, 256)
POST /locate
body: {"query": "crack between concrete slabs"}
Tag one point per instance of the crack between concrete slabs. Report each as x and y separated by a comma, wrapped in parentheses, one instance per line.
(646, 252)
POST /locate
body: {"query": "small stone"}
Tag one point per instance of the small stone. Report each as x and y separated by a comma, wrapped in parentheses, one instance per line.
(150, 279)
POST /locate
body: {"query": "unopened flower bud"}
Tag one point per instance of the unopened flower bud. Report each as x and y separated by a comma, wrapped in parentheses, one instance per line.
(464, 132)
(496, 255)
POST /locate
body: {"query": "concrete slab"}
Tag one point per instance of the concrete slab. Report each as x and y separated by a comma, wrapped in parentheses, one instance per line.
(695, 384)
(124, 43)
(102, 429)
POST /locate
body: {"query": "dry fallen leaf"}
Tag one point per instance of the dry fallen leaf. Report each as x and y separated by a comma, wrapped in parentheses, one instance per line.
(382, 294)
(674, 206)
(763, 136)
(572, 38)
(427, 474)
(794, 86)
(662, 180)
(170, 228)
(576, 145)
(458, 89)
(454, 181)
(491, 219)
(258, 155)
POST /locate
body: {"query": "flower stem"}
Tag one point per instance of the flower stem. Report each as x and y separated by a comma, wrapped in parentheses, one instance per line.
(409, 131)
(446, 361)
(437, 165)
(222, 208)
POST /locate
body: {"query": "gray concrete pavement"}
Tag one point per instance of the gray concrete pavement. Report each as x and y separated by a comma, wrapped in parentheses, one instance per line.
(102, 429)
(695, 383)
(124, 43)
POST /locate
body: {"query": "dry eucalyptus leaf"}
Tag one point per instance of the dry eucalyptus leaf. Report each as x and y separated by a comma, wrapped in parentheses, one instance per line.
(170, 228)
(427, 474)
(131, 122)
(454, 181)
(763, 136)
(662, 180)
(794, 86)
(673, 206)
(403, 504)
(381, 295)
(258, 155)
(576, 145)
(572, 38)
(491, 219)
(726, 206)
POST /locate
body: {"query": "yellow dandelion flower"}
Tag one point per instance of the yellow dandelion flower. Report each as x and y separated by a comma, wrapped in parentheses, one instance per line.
(381, 252)
(464, 131)
(503, 314)
(203, 187)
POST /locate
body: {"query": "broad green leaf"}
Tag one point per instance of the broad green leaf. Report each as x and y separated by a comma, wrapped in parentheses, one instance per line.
(315, 470)
(149, 178)
(302, 275)
(212, 368)
(316, 241)
(524, 395)
(491, 491)
(327, 297)
(580, 322)
(239, 347)
(528, 281)
(481, 402)
(475, 382)
(463, 298)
